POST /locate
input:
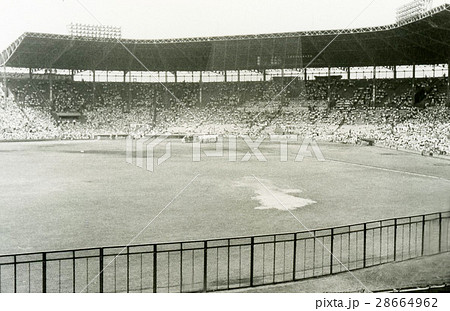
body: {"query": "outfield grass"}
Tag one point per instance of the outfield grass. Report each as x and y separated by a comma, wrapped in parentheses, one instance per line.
(56, 197)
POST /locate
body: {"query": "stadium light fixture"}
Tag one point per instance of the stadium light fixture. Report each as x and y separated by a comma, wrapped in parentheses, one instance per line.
(94, 31)
(410, 10)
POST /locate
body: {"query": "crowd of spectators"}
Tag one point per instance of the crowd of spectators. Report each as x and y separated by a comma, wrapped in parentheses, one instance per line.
(408, 128)
(24, 122)
(244, 108)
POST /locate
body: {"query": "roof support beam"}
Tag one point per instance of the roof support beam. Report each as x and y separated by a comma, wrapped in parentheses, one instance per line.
(58, 56)
(364, 49)
(422, 46)
(6, 54)
(318, 51)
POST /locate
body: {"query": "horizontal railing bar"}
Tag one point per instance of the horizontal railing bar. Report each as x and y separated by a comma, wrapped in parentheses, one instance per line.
(240, 237)
(160, 252)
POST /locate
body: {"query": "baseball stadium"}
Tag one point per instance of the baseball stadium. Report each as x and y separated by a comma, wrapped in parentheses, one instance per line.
(310, 161)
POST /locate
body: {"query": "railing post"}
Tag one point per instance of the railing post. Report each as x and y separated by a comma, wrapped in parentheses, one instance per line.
(128, 269)
(100, 264)
(423, 235)
(331, 250)
(155, 267)
(205, 266)
(181, 267)
(228, 263)
(294, 259)
(364, 245)
(395, 239)
(15, 274)
(252, 259)
(73, 272)
(440, 233)
(44, 272)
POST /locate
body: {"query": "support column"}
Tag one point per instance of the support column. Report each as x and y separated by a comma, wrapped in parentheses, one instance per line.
(155, 111)
(50, 82)
(413, 85)
(348, 73)
(30, 73)
(283, 94)
(225, 76)
(93, 86)
(130, 97)
(374, 86)
(239, 86)
(448, 84)
(72, 75)
(329, 86)
(201, 88)
(125, 106)
(264, 75)
(305, 74)
(176, 77)
(165, 99)
(395, 72)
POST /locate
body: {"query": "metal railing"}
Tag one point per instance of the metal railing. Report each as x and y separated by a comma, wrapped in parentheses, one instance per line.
(223, 264)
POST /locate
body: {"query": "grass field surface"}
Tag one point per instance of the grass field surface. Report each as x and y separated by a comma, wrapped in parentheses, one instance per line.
(74, 194)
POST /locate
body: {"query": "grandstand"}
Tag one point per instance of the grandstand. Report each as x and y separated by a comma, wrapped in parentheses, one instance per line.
(288, 64)
(386, 86)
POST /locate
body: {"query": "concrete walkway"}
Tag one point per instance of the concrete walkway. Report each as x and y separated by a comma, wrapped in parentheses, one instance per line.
(420, 272)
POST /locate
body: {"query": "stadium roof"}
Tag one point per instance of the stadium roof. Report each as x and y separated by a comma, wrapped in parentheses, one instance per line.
(423, 40)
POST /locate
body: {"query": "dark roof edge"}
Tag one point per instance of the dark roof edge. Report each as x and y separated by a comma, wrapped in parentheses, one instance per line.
(429, 13)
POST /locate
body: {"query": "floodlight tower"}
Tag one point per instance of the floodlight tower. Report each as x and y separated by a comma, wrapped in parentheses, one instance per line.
(409, 10)
(94, 31)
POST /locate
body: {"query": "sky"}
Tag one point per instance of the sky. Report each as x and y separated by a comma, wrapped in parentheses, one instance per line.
(160, 19)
